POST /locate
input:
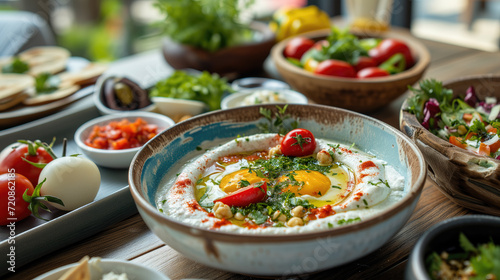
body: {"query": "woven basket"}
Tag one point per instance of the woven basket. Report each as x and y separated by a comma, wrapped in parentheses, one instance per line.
(468, 179)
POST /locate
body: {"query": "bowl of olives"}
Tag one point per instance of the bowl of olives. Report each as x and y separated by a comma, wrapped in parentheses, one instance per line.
(117, 94)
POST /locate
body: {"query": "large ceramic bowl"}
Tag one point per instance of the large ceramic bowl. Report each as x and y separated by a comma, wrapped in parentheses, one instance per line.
(227, 61)
(479, 229)
(361, 95)
(468, 179)
(268, 254)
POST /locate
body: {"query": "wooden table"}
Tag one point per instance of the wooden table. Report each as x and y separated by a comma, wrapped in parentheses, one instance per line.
(132, 240)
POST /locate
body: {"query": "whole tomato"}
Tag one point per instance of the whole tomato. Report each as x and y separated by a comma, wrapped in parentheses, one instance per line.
(333, 67)
(296, 47)
(298, 143)
(372, 72)
(364, 62)
(13, 207)
(389, 47)
(11, 158)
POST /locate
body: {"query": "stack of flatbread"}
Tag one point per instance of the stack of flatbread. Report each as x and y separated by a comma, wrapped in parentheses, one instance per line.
(42, 65)
(78, 272)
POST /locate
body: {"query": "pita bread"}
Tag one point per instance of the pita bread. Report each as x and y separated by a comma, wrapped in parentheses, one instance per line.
(13, 100)
(87, 75)
(47, 59)
(61, 93)
(12, 84)
(79, 272)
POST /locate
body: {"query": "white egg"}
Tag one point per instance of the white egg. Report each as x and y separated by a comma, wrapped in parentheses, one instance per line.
(74, 180)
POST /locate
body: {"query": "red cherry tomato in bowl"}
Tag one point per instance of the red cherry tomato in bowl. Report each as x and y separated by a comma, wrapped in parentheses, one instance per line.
(12, 158)
(372, 72)
(298, 142)
(333, 67)
(13, 206)
(243, 197)
(389, 47)
(364, 62)
(296, 47)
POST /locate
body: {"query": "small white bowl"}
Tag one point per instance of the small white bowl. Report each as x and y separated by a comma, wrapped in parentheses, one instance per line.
(258, 82)
(176, 108)
(133, 270)
(116, 158)
(235, 99)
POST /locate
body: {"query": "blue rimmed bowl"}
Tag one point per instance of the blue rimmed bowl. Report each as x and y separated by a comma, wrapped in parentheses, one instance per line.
(273, 254)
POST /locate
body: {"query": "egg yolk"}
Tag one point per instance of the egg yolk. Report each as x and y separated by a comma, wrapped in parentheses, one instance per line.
(231, 182)
(306, 182)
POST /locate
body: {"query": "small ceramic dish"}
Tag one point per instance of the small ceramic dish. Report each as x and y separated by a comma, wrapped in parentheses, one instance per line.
(176, 108)
(103, 266)
(479, 229)
(244, 97)
(258, 82)
(116, 158)
(101, 104)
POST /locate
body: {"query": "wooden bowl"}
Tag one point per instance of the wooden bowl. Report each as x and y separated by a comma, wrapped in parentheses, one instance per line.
(228, 61)
(354, 94)
(468, 179)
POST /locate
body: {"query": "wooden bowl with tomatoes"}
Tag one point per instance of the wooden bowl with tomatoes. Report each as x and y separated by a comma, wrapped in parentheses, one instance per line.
(351, 77)
(457, 129)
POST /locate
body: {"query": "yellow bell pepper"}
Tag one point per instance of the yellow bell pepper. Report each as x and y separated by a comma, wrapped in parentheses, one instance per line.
(311, 65)
(288, 22)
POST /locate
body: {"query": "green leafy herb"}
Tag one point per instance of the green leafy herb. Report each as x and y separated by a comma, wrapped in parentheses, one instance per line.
(429, 88)
(277, 123)
(349, 221)
(206, 87)
(46, 83)
(205, 24)
(17, 66)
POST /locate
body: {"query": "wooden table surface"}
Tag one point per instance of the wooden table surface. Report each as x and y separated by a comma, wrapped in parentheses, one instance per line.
(131, 240)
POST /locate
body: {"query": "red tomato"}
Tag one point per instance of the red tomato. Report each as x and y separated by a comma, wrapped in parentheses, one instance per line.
(13, 160)
(298, 142)
(243, 197)
(12, 188)
(364, 62)
(333, 67)
(372, 72)
(296, 47)
(389, 47)
(320, 44)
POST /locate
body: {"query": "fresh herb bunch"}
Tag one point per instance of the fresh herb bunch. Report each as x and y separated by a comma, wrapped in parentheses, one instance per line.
(476, 262)
(205, 24)
(46, 83)
(206, 87)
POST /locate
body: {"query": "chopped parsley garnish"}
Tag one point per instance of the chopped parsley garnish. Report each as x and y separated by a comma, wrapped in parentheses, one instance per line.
(348, 221)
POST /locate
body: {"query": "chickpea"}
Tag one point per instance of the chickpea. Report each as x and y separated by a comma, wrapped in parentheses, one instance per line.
(276, 214)
(238, 216)
(298, 211)
(222, 211)
(462, 130)
(282, 218)
(274, 151)
(324, 157)
(295, 221)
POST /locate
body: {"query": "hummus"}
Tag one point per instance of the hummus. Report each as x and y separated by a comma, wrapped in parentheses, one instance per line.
(335, 186)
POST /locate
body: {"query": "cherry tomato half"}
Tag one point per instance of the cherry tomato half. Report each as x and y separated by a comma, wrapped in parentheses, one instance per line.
(298, 142)
(389, 47)
(13, 206)
(333, 67)
(364, 62)
(297, 47)
(13, 160)
(372, 72)
(243, 197)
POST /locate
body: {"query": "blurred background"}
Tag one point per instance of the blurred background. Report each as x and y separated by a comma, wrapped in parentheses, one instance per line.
(105, 30)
